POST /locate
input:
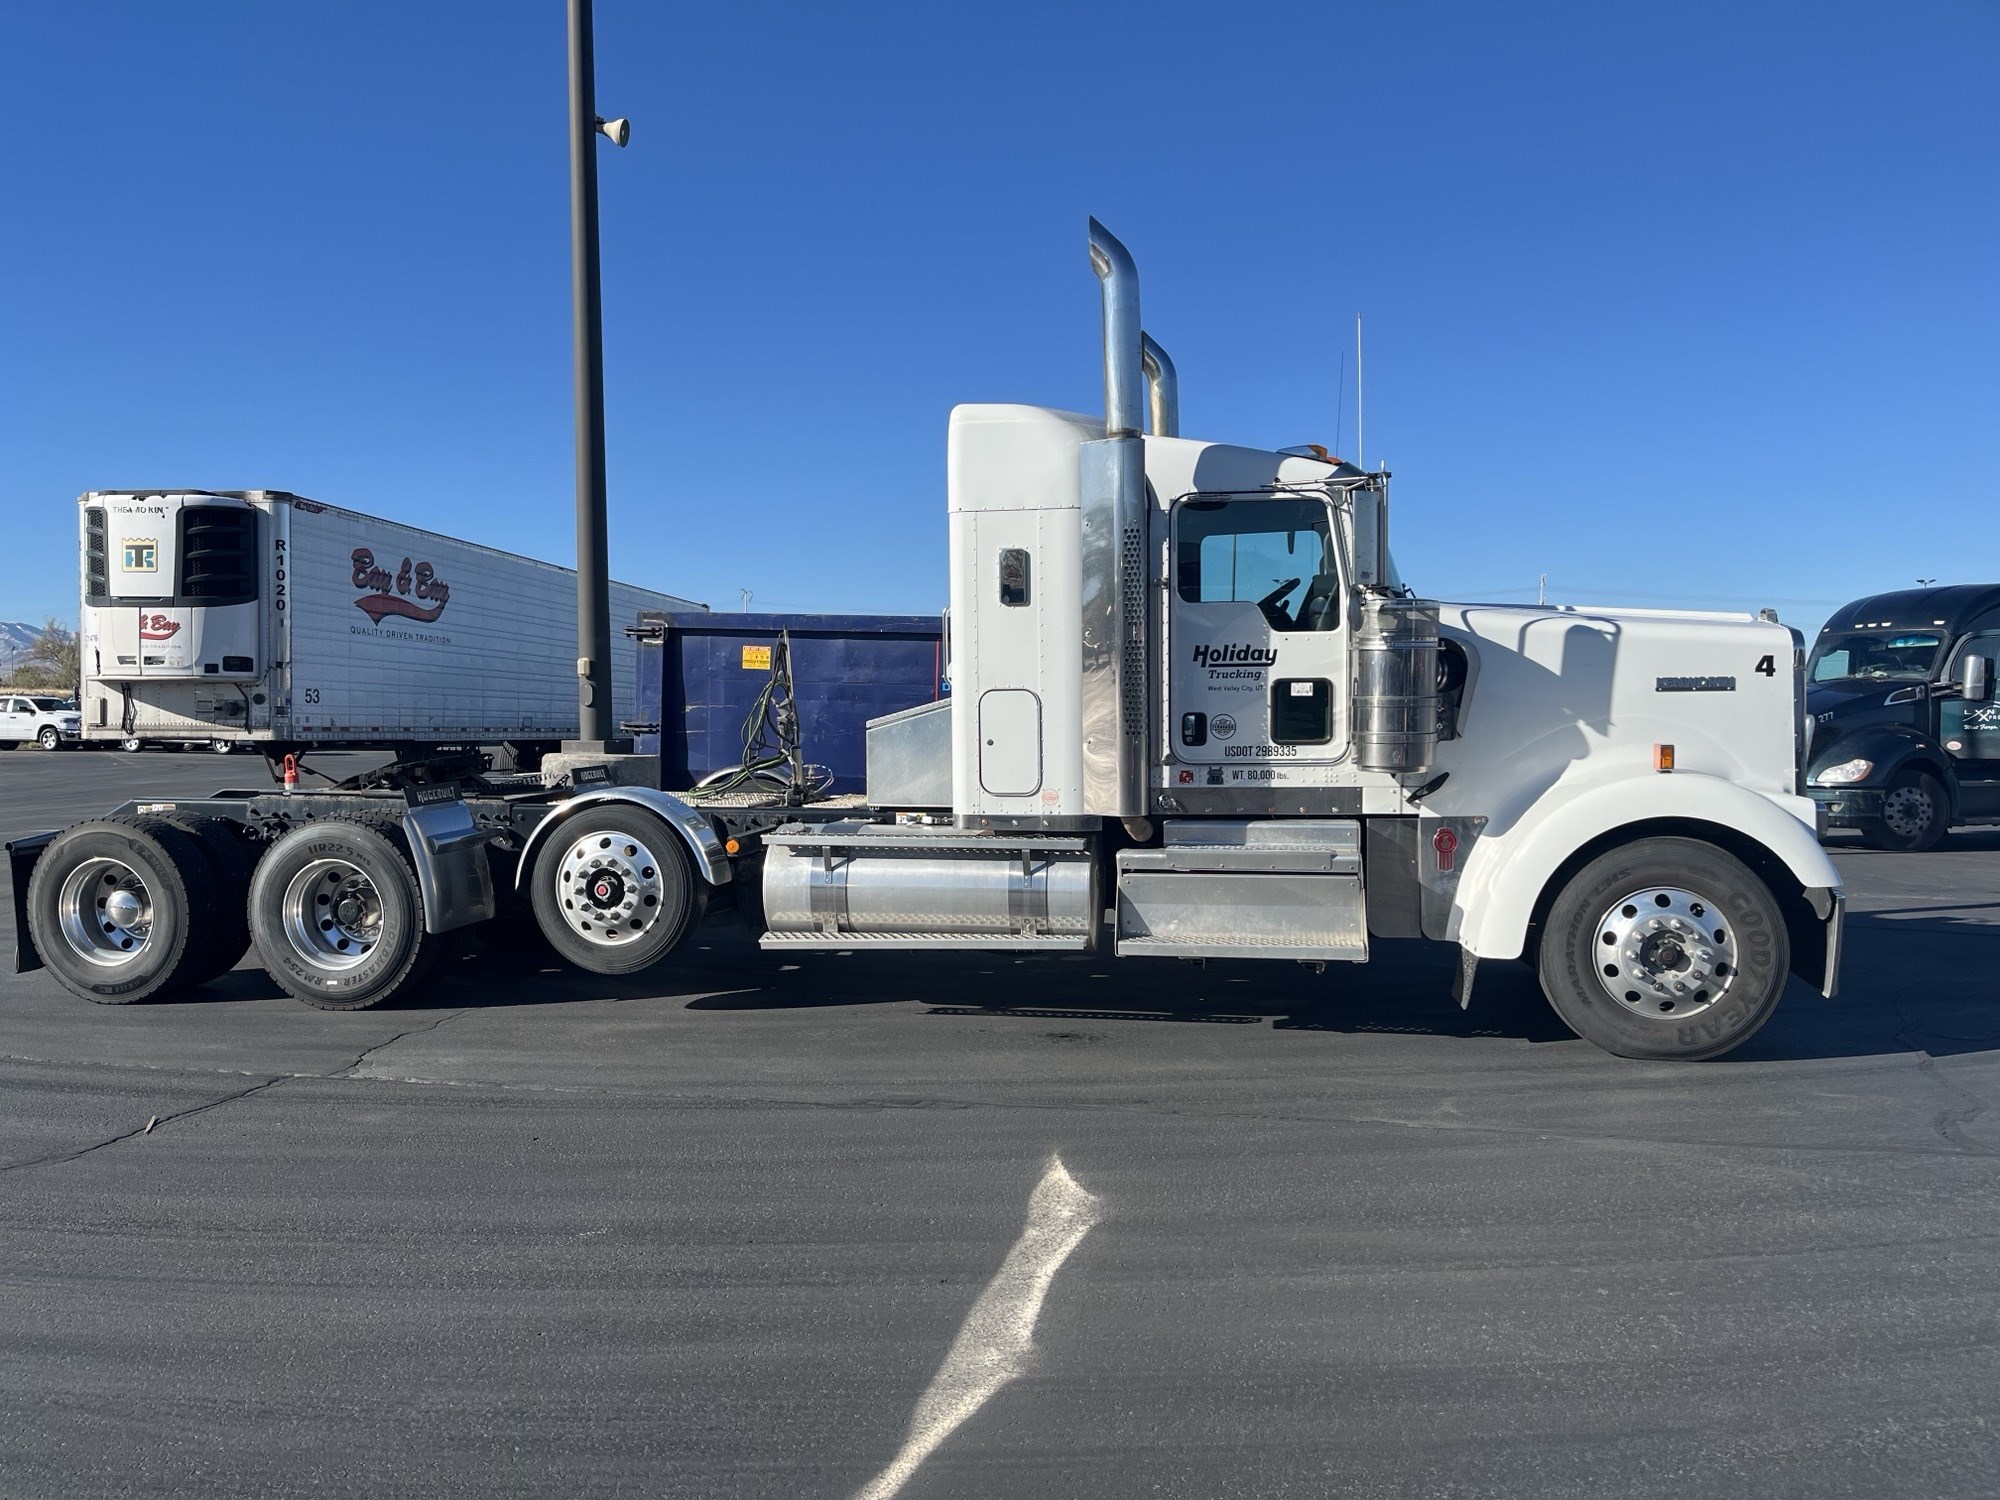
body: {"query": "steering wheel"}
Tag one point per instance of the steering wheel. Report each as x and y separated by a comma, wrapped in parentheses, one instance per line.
(1269, 604)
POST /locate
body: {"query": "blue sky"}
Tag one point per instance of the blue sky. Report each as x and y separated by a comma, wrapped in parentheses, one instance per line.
(1675, 303)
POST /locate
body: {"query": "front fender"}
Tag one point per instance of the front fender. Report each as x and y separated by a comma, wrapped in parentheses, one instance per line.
(695, 830)
(1891, 747)
(1508, 871)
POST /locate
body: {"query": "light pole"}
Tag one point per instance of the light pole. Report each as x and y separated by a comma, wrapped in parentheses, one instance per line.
(593, 588)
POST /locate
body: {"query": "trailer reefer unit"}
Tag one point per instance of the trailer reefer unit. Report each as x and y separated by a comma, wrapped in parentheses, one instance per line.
(1195, 714)
(226, 616)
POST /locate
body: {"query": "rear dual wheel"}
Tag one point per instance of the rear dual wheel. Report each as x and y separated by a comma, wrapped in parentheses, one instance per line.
(122, 909)
(337, 915)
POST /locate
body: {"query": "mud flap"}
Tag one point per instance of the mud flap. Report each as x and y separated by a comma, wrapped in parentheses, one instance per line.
(449, 852)
(1461, 987)
(21, 857)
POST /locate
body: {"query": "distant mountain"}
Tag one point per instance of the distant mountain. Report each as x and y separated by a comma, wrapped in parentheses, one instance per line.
(15, 638)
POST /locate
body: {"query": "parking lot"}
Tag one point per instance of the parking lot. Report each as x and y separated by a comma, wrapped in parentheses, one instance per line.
(733, 1227)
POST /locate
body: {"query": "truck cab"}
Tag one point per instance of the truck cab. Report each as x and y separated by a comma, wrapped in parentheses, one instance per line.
(1904, 730)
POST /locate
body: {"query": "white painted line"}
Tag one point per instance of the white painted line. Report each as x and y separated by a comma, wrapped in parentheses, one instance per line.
(992, 1347)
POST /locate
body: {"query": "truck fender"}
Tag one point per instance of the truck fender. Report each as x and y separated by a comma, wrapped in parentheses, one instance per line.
(1891, 747)
(1508, 871)
(693, 827)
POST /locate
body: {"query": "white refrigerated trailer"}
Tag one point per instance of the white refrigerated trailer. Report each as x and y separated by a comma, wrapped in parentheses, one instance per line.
(225, 617)
(1195, 715)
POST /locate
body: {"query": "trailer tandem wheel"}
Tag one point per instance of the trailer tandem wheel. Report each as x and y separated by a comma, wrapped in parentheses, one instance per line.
(337, 915)
(1665, 948)
(119, 909)
(613, 890)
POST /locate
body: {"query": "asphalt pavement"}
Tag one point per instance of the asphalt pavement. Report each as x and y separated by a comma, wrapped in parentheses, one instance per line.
(762, 1225)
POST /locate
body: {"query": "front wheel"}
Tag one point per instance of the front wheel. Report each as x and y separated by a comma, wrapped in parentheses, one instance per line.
(613, 891)
(1666, 948)
(49, 737)
(1915, 814)
(337, 916)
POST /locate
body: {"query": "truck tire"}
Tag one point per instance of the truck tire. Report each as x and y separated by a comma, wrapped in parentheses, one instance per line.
(1666, 948)
(131, 744)
(231, 863)
(49, 737)
(613, 890)
(119, 907)
(1915, 815)
(337, 916)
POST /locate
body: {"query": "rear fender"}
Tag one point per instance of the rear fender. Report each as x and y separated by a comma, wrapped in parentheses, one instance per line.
(1508, 873)
(704, 848)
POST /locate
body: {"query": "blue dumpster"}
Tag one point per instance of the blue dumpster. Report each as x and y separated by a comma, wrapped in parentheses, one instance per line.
(700, 674)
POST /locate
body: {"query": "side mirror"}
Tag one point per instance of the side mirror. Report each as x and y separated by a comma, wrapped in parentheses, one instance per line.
(1978, 685)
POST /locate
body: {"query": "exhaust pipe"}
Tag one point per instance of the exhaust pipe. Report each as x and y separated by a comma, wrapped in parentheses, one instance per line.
(1163, 387)
(1112, 478)
(1124, 376)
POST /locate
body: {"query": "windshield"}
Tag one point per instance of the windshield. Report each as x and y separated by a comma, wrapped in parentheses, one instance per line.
(54, 705)
(1877, 655)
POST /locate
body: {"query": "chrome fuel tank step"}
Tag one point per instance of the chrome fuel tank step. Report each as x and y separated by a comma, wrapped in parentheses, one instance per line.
(1261, 889)
(877, 885)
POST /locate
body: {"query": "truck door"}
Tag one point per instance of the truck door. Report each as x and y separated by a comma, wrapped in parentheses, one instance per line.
(1258, 639)
(1970, 733)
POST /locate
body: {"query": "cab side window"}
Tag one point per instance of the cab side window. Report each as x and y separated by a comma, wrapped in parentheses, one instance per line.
(1972, 730)
(1275, 554)
(1982, 643)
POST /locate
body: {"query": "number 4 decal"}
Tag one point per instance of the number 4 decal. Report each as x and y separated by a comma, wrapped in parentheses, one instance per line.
(1768, 665)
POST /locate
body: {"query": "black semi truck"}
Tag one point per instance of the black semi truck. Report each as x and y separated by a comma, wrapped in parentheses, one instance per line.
(1904, 729)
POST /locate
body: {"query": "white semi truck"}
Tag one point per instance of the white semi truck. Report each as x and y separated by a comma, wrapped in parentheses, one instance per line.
(263, 618)
(1195, 715)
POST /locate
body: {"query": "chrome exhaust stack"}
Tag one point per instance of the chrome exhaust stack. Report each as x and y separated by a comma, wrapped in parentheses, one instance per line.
(1163, 387)
(1113, 483)
(1124, 368)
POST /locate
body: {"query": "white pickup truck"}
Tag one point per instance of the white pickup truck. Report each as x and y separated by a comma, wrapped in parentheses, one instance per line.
(32, 718)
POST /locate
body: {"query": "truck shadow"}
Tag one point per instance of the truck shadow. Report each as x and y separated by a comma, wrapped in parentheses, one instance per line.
(1916, 978)
(1913, 980)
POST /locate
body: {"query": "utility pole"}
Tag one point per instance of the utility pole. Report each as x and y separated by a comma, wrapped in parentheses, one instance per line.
(593, 588)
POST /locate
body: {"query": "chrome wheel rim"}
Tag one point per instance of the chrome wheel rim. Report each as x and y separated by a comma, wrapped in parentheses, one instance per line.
(1664, 953)
(105, 912)
(50, 739)
(608, 884)
(332, 914)
(1908, 811)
